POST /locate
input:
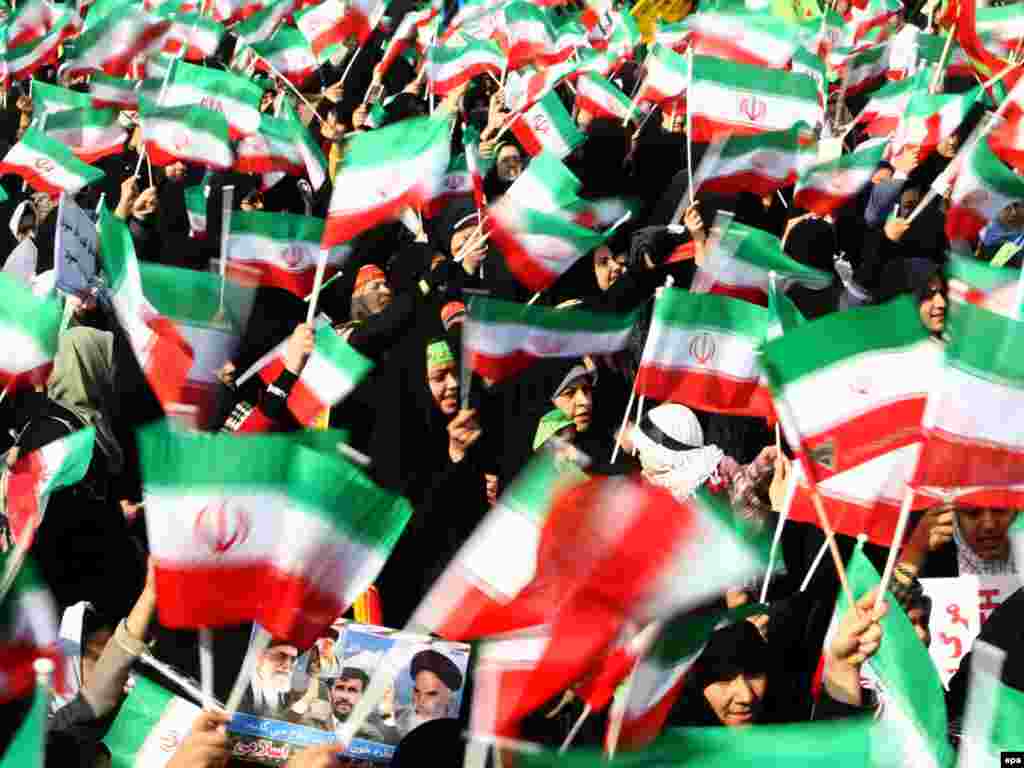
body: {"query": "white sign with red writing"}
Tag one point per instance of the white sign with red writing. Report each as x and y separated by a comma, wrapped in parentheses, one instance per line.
(960, 606)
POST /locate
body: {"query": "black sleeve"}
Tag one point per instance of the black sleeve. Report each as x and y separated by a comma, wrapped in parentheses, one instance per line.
(273, 398)
(828, 708)
(380, 332)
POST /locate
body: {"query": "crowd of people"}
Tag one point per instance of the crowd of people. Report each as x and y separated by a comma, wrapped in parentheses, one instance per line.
(401, 302)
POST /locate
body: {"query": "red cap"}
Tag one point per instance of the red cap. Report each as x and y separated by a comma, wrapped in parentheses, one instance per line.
(452, 312)
(366, 274)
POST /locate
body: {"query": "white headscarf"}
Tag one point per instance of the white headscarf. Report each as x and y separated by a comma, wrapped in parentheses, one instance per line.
(676, 459)
(71, 639)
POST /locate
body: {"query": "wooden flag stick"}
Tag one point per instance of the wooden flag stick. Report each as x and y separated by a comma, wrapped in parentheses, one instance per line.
(897, 541)
(318, 279)
(941, 66)
(227, 202)
(290, 86)
(575, 728)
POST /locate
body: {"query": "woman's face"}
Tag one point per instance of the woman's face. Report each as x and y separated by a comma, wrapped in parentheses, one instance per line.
(737, 701)
(443, 381)
(932, 308)
(26, 227)
(576, 401)
(509, 163)
(985, 531)
(608, 267)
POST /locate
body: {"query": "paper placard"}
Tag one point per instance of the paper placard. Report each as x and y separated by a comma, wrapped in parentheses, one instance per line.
(75, 248)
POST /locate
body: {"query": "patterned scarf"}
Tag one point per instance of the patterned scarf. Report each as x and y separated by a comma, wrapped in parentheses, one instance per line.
(969, 563)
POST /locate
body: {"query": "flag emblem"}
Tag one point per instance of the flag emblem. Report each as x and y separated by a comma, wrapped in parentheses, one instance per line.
(703, 348)
(753, 108)
(181, 140)
(824, 454)
(221, 526)
(44, 164)
(292, 256)
(976, 199)
(169, 742)
(541, 124)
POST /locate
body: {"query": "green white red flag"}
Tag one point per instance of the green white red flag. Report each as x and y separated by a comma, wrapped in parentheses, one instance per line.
(826, 187)
(993, 718)
(762, 164)
(546, 184)
(36, 475)
(984, 187)
(701, 351)
(28, 631)
(667, 75)
(975, 282)
(741, 261)
(930, 119)
(289, 53)
(262, 25)
(280, 249)
(150, 726)
(863, 69)
(163, 354)
(448, 67)
(273, 148)
(742, 37)
(312, 154)
(91, 134)
(538, 246)
(362, 17)
(261, 528)
(325, 28)
(35, 19)
(524, 33)
(199, 35)
(881, 116)
(106, 91)
(22, 60)
(384, 171)
(503, 339)
(47, 165)
(195, 207)
(403, 37)
(728, 97)
(190, 133)
(968, 439)
(48, 98)
(29, 328)
(878, 359)
(112, 44)
(28, 747)
(596, 95)
(547, 125)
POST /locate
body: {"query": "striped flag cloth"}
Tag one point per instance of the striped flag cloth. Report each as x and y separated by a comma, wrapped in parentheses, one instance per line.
(881, 115)
(729, 97)
(47, 165)
(261, 528)
(28, 747)
(701, 351)
(262, 25)
(325, 28)
(929, 119)
(742, 37)
(448, 67)
(499, 559)
(30, 326)
(275, 147)
(741, 261)
(524, 33)
(598, 96)
(195, 207)
(864, 69)
(994, 717)
(190, 133)
(28, 631)
(48, 98)
(22, 61)
(384, 171)
(36, 475)
(309, 149)
(546, 184)
(969, 441)
(875, 358)
(666, 76)
(163, 354)
(503, 338)
(150, 726)
(547, 125)
(91, 134)
(289, 53)
(826, 187)
(34, 19)
(402, 38)
(762, 164)
(106, 91)
(198, 35)
(975, 282)
(984, 187)
(111, 45)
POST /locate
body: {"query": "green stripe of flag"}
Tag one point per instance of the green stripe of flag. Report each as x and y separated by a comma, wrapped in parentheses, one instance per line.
(193, 117)
(138, 716)
(680, 308)
(764, 251)
(495, 311)
(831, 339)
(978, 274)
(985, 345)
(322, 485)
(50, 98)
(26, 582)
(116, 248)
(193, 296)
(285, 227)
(69, 119)
(285, 39)
(220, 84)
(795, 139)
(342, 354)
(28, 747)
(747, 77)
(395, 143)
(60, 154)
(35, 317)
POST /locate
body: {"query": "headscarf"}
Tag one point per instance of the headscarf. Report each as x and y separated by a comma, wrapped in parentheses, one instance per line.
(670, 443)
(968, 563)
(82, 381)
(71, 638)
(19, 212)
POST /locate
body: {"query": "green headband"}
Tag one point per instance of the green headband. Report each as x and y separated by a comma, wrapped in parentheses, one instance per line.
(438, 354)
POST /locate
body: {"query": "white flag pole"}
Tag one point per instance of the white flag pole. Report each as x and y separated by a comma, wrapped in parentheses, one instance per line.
(318, 279)
(227, 202)
(206, 666)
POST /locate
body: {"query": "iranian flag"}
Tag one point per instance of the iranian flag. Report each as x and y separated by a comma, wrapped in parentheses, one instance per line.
(984, 187)
(569, 38)
(598, 96)
(198, 35)
(969, 441)
(195, 207)
(402, 39)
(48, 99)
(448, 67)
(47, 165)
(864, 70)
(229, 11)
(524, 33)
(163, 354)
(674, 35)
(826, 187)
(29, 328)
(744, 38)
(289, 53)
(262, 25)
(546, 184)
(28, 631)
(106, 91)
(261, 528)
(272, 148)
(150, 726)
(503, 339)
(28, 747)
(547, 126)
(701, 351)
(192, 134)
(666, 75)
(504, 668)
(36, 475)
(538, 246)
(975, 282)
(850, 389)
(882, 114)
(1007, 139)
(993, 723)
(325, 28)
(331, 373)
(91, 134)
(526, 88)
(363, 16)
(384, 171)
(728, 97)
(930, 119)
(236, 98)
(763, 163)
(457, 182)
(21, 61)
(310, 151)
(475, 163)
(741, 262)
(498, 560)
(35, 19)
(112, 44)
(280, 249)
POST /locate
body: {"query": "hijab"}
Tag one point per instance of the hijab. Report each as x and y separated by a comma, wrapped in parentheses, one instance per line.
(71, 639)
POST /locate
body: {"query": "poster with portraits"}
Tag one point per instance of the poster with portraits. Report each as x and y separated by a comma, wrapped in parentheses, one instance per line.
(303, 697)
